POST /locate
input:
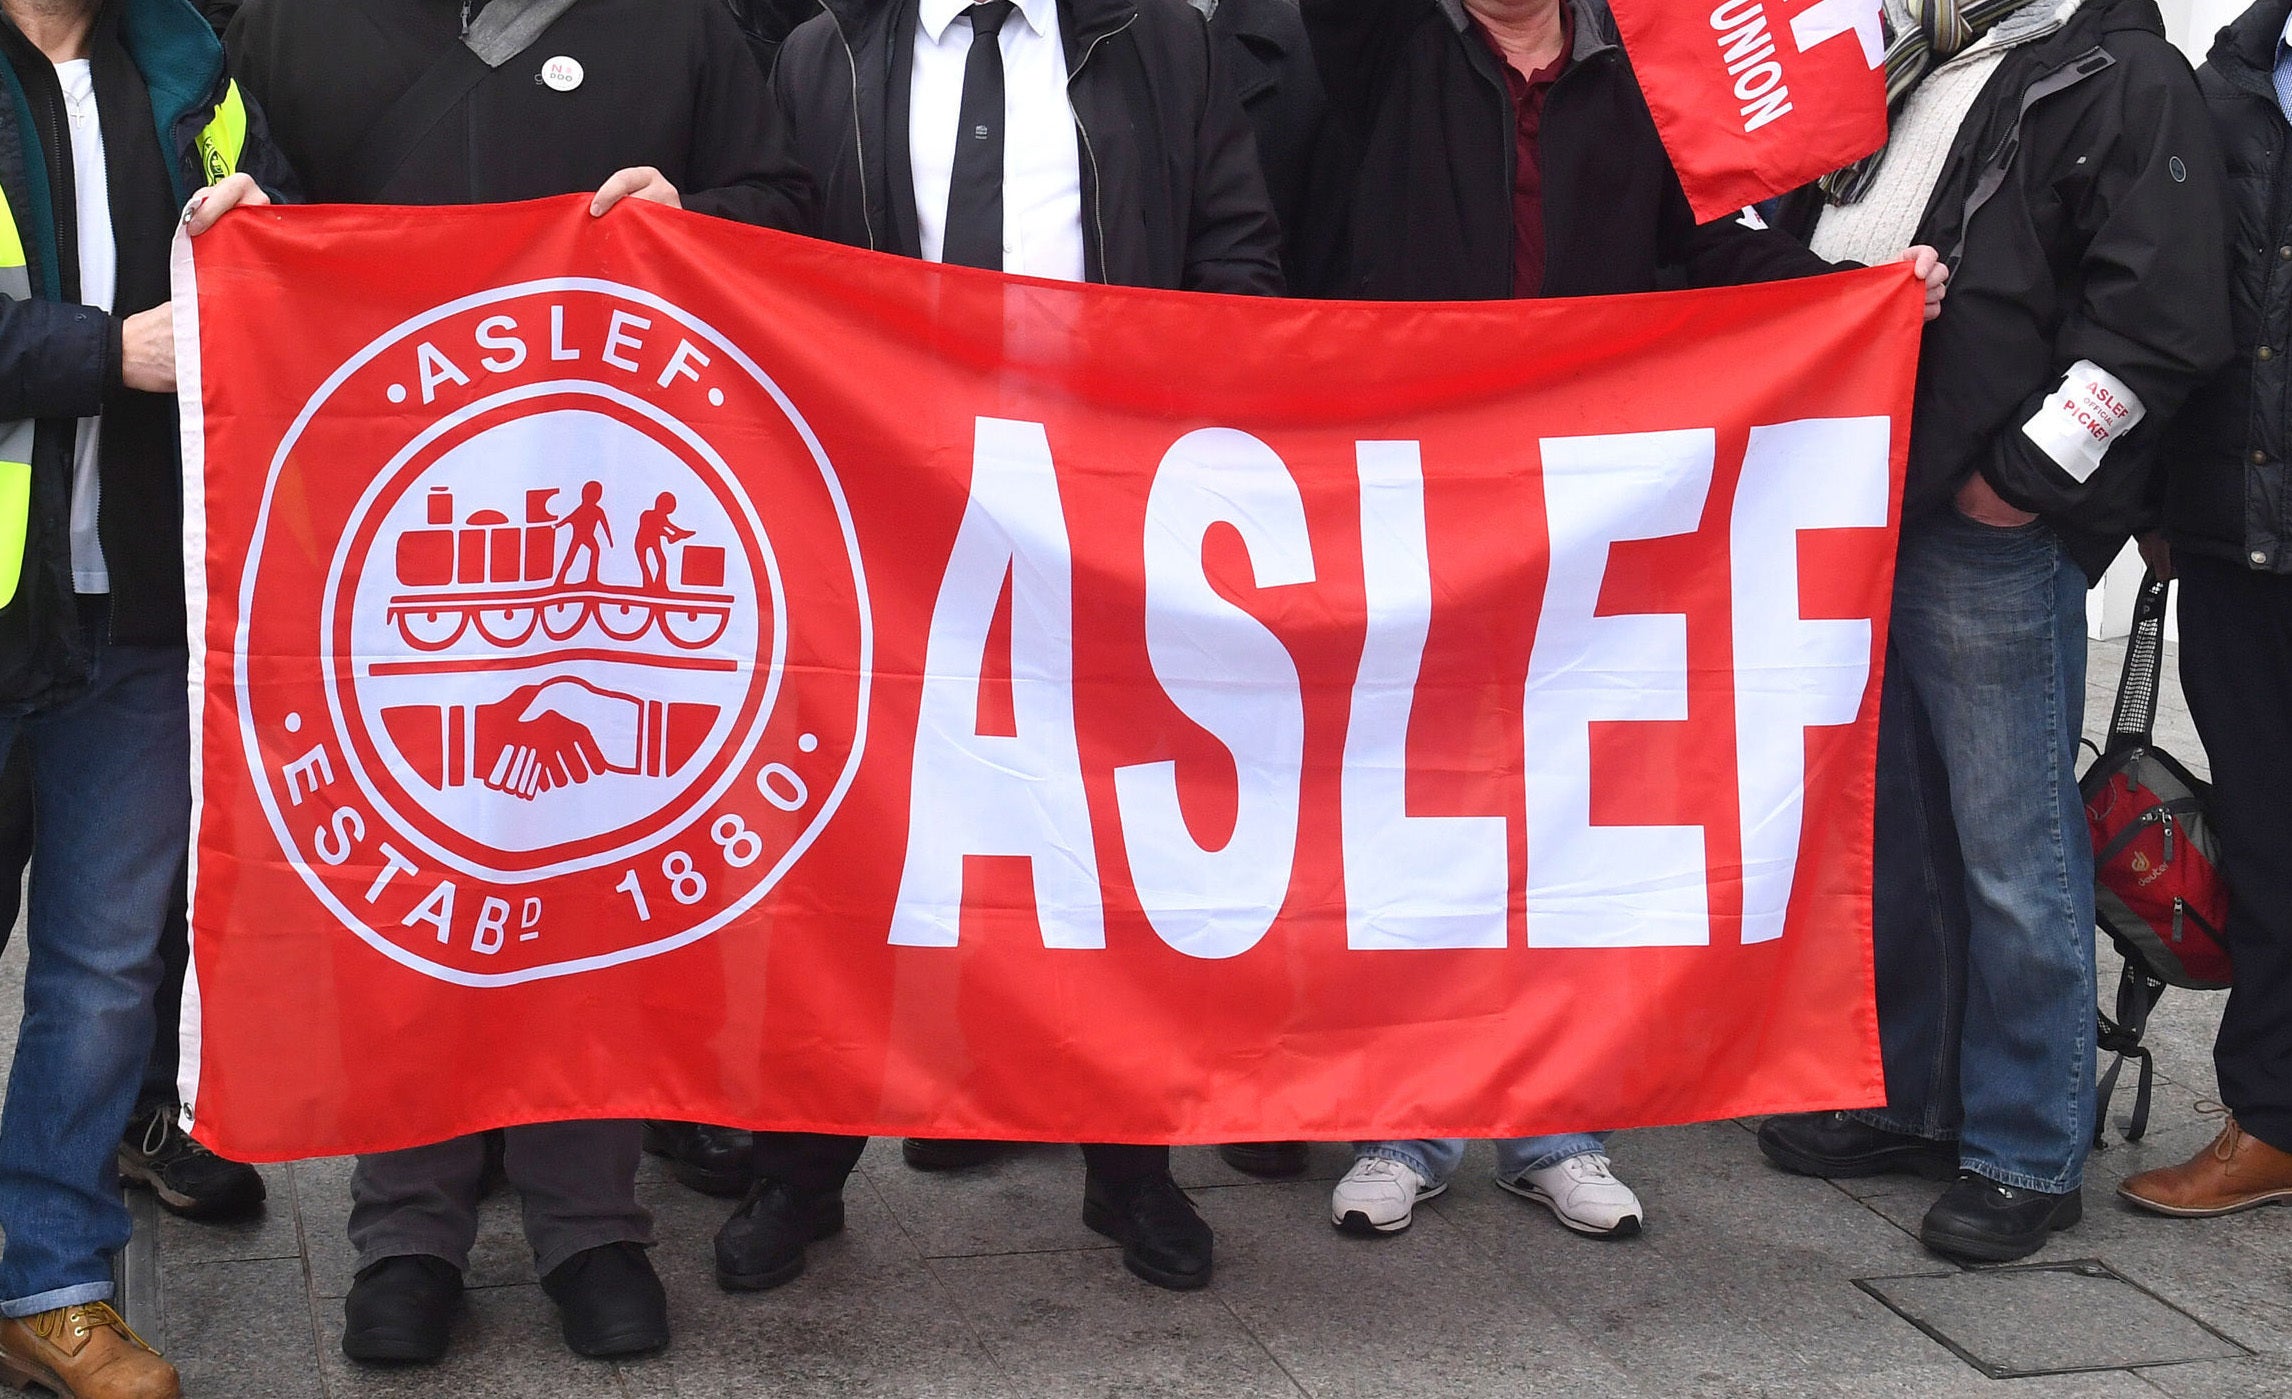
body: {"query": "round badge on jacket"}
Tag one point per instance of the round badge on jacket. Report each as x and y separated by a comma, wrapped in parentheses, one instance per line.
(562, 74)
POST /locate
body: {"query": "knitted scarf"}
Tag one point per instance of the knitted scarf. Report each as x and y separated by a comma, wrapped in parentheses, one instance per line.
(1921, 35)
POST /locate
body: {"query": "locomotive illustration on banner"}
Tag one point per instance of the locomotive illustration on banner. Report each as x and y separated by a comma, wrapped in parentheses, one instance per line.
(505, 579)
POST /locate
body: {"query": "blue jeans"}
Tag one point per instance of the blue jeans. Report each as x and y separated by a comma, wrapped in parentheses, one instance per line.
(1983, 915)
(111, 791)
(1437, 1159)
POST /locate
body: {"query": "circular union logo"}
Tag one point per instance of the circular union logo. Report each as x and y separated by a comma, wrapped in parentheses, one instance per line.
(528, 683)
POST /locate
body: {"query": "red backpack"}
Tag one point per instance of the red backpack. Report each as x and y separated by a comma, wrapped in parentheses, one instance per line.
(2158, 893)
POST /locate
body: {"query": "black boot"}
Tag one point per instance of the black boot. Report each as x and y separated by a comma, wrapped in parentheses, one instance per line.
(190, 1181)
(1980, 1221)
(762, 1246)
(1837, 1146)
(1163, 1239)
(400, 1311)
(610, 1302)
(937, 1154)
(712, 1160)
(1271, 1160)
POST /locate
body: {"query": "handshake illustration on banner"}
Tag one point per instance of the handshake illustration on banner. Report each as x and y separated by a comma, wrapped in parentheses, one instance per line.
(548, 736)
(557, 733)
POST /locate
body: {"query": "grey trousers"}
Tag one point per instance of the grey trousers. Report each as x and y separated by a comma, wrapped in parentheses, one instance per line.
(576, 1180)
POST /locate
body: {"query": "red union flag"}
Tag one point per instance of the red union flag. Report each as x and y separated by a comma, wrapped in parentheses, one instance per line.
(657, 668)
(1757, 97)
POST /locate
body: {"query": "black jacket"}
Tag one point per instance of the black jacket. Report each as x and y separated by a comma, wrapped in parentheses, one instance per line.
(1413, 197)
(768, 23)
(2229, 489)
(1172, 195)
(666, 83)
(1274, 76)
(2081, 212)
(157, 62)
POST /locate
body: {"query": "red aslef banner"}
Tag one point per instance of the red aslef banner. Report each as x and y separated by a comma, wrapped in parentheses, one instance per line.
(1757, 97)
(656, 668)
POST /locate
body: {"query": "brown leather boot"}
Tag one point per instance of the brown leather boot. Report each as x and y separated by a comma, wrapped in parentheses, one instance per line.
(2236, 1172)
(83, 1352)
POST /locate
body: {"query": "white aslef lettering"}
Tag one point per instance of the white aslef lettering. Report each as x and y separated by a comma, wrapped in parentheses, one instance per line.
(1594, 885)
(1792, 674)
(1229, 673)
(992, 794)
(1411, 882)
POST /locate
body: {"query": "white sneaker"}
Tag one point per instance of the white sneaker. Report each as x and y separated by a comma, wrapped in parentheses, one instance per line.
(1379, 1196)
(1583, 1193)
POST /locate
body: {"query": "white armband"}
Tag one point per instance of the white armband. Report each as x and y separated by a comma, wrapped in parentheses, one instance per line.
(2079, 420)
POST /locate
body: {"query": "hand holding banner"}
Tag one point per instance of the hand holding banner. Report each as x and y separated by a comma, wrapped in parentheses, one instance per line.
(657, 668)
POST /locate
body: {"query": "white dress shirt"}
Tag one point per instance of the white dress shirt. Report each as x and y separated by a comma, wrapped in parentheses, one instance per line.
(99, 274)
(1042, 164)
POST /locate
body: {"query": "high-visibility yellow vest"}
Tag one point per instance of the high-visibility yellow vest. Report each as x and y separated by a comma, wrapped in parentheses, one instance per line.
(15, 438)
(225, 138)
(220, 145)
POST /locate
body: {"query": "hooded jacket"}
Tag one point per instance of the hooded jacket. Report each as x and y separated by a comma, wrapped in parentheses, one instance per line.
(60, 360)
(1172, 194)
(1413, 195)
(2228, 492)
(2081, 212)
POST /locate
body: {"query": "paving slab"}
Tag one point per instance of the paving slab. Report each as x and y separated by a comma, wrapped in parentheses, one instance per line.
(1028, 1200)
(1080, 1324)
(2254, 1377)
(229, 1324)
(2064, 1318)
(1414, 1313)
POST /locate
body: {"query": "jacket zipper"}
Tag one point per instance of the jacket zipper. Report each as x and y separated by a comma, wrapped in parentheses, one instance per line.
(2060, 80)
(859, 137)
(1090, 152)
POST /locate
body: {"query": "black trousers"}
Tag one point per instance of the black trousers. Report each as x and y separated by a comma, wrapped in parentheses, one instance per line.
(814, 1163)
(2236, 666)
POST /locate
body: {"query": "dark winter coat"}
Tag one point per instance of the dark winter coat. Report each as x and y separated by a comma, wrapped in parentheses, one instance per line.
(1172, 194)
(2081, 212)
(2229, 487)
(665, 83)
(1279, 87)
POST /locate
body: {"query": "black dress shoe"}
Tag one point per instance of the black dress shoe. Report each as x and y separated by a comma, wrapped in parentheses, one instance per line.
(1981, 1221)
(1272, 1160)
(936, 1154)
(610, 1302)
(717, 1161)
(762, 1246)
(1163, 1239)
(400, 1311)
(1836, 1146)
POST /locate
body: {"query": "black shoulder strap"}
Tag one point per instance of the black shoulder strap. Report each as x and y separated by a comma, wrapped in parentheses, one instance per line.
(2135, 719)
(392, 141)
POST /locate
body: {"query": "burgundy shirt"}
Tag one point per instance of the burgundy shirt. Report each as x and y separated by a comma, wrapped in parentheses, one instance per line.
(1528, 94)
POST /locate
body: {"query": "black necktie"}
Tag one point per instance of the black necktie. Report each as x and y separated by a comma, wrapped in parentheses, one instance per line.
(975, 191)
